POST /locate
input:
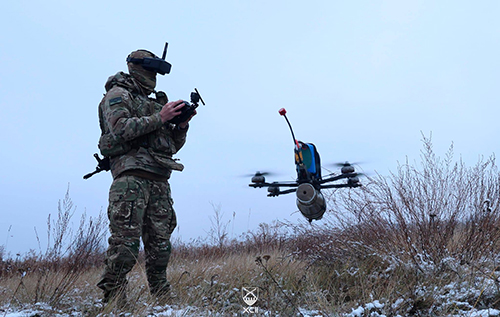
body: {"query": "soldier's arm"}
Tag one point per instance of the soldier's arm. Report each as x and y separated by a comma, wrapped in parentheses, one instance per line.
(179, 136)
(121, 122)
(179, 133)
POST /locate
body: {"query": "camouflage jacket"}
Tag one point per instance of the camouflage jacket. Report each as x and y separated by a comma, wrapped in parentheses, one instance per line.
(133, 135)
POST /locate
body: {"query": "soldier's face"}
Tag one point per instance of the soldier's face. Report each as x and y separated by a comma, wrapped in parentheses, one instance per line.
(146, 78)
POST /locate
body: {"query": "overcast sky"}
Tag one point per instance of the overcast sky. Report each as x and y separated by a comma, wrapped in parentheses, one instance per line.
(360, 79)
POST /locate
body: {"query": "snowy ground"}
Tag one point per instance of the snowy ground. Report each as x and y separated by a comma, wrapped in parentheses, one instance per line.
(371, 309)
(367, 310)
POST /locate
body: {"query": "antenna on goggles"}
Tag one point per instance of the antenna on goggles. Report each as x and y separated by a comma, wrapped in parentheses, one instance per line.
(165, 51)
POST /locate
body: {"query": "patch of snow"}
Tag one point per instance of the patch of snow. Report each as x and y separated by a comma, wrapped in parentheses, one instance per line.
(310, 313)
(485, 313)
(358, 312)
(397, 303)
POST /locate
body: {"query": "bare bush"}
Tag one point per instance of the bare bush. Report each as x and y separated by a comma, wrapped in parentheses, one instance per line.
(49, 276)
(218, 234)
(428, 213)
(427, 226)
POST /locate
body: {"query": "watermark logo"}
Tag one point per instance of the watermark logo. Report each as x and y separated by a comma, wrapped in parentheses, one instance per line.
(250, 296)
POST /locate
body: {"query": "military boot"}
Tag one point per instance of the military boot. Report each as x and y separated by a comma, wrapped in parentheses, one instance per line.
(115, 294)
(163, 294)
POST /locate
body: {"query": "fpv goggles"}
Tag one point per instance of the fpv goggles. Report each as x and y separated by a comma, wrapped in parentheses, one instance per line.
(155, 64)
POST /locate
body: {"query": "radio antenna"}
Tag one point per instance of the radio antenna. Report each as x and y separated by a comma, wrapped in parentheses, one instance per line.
(282, 112)
(199, 96)
(165, 51)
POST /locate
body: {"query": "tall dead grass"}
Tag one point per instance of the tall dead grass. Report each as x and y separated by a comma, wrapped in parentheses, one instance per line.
(49, 276)
(423, 241)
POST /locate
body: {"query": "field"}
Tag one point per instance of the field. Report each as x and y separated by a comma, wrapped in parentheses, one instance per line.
(423, 241)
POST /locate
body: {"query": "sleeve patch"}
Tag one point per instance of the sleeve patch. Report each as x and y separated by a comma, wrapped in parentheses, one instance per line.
(114, 101)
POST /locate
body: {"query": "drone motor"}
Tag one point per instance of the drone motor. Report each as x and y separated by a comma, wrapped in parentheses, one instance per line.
(259, 177)
(347, 168)
(273, 191)
(353, 181)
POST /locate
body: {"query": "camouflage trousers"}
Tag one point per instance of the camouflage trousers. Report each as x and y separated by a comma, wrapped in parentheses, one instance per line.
(138, 208)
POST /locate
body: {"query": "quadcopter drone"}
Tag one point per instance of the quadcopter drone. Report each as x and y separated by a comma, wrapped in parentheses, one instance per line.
(309, 183)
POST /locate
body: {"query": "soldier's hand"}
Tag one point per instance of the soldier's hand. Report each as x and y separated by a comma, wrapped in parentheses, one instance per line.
(171, 110)
(184, 124)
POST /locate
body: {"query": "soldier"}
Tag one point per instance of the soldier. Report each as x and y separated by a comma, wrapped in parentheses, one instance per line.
(140, 142)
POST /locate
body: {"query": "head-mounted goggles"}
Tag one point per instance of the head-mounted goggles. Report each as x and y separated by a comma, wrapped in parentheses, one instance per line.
(155, 64)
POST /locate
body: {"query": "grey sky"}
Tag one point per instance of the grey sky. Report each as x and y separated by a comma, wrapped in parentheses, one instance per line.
(360, 79)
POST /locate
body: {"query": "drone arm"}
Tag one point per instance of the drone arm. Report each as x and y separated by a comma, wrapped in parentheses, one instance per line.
(349, 185)
(335, 178)
(282, 192)
(260, 185)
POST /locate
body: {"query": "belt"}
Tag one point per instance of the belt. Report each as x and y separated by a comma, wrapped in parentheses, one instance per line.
(145, 174)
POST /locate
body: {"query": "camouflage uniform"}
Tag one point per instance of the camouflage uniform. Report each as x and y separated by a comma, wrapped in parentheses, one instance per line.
(140, 148)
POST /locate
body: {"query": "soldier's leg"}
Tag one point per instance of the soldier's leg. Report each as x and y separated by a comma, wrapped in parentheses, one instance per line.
(159, 223)
(125, 213)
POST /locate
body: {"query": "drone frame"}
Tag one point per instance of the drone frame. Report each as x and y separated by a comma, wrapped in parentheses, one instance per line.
(274, 187)
(308, 167)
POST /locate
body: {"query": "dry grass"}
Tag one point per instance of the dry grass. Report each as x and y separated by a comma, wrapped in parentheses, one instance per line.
(423, 241)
